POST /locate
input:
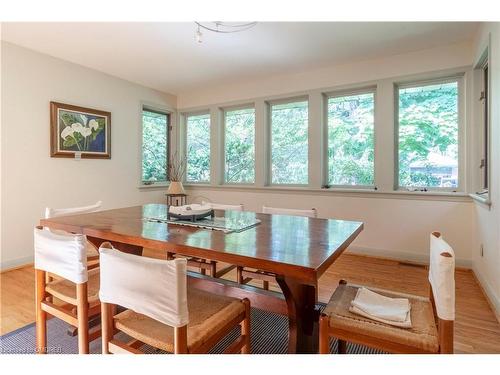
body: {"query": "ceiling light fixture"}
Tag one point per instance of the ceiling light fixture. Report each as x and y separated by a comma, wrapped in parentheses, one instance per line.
(222, 27)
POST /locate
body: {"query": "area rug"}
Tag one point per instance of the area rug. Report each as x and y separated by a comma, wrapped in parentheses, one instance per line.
(269, 335)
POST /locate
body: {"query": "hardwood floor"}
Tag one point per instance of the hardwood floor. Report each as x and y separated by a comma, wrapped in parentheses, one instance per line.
(476, 327)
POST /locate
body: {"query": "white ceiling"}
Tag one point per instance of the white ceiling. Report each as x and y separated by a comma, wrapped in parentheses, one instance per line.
(166, 56)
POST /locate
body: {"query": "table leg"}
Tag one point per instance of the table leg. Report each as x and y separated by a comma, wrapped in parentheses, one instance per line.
(303, 317)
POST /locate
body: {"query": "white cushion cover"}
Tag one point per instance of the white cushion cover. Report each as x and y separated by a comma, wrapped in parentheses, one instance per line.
(63, 254)
(442, 277)
(289, 211)
(55, 212)
(153, 287)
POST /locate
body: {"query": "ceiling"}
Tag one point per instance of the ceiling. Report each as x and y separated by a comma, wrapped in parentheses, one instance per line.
(165, 56)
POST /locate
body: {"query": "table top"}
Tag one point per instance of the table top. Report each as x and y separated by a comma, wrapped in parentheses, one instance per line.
(298, 247)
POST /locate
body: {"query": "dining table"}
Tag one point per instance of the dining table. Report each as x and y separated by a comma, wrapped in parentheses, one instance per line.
(295, 250)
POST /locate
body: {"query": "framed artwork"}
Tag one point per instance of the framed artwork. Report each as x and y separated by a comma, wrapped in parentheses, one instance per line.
(77, 132)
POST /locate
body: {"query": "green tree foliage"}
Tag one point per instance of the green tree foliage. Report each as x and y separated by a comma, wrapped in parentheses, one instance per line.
(350, 140)
(428, 135)
(240, 146)
(289, 143)
(154, 146)
(198, 148)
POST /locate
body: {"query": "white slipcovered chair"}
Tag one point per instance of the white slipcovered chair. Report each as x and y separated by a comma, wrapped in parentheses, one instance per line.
(64, 254)
(432, 318)
(92, 253)
(205, 265)
(244, 275)
(162, 310)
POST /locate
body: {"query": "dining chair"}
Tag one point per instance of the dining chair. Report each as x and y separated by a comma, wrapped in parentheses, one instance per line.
(432, 318)
(205, 265)
(64, 254)
(92, 253)
(244, 275)
(162, 311)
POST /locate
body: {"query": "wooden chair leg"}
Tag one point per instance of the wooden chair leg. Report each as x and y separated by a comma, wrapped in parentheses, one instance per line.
(324, 348)
(202, 270)
(213, 268)
(265, 285)
(82, 311)
(41, 316)
(106, 326)
(342, 347)
(245, 328)
(239, 275)
(180, 340)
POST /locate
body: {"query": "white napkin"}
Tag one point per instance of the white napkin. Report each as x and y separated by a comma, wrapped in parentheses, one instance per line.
(394, 311)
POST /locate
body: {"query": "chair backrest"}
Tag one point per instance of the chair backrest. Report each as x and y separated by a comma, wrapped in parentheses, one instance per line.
(63, 254)
(153, 287)
(289, 211)
(220, 206)
(442, 276)
(54, 212)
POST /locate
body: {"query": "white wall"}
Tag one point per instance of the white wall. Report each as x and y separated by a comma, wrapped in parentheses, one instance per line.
(487, 267)
(30, 178)
(395, 225)
(446, 57)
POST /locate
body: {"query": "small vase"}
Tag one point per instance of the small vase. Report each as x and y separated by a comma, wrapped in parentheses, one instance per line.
(176, 187)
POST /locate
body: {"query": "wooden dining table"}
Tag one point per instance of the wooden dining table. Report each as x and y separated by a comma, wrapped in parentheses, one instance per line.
(297, 250)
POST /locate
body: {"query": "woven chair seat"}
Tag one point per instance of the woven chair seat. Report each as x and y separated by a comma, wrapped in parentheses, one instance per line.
(65, 290)
(208, 315)
(422, 336)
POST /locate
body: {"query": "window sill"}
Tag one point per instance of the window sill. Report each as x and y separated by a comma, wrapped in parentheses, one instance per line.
(347, 192)
(483, 199)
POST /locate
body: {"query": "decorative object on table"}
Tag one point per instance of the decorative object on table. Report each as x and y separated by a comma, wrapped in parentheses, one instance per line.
(233, 221)
(176, 195)
(190, 212)
(78, 132)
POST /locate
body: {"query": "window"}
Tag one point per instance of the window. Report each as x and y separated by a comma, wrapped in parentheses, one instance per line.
(350, 139)
(428, 135)
(198, 148)
(289, 143)
(155, 126)
(485, 129)
(239, 145)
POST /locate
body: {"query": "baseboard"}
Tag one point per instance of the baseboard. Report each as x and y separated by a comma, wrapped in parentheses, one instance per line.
(401, 255)
(489, 293)
(16, 263)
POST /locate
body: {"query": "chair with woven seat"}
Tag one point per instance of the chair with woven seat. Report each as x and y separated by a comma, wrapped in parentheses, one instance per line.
(162, 311)
(64, 255)
(205, 265)
(431, 318)
(244, 275)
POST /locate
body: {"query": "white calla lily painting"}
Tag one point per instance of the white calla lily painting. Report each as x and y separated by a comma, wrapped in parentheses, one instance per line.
(79, 132)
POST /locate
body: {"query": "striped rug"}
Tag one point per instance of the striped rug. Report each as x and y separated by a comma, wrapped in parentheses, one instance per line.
(269, 334)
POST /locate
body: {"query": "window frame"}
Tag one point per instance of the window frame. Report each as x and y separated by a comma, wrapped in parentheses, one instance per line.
(223, 111)
(459, 79)
(169, 128)
(185, 117)
(372, 89)
(269, 140)
(485, 172)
